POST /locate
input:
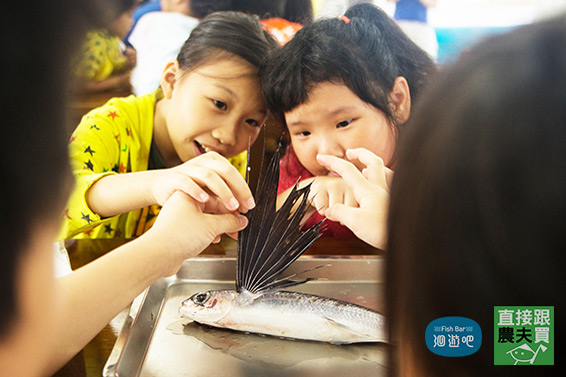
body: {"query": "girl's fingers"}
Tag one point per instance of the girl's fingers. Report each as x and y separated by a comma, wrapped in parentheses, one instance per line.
(350, 200)
(233, 178)
(375, 170)
(189, 187)
(222, 179)
(346, 169)
(343, 214)
(216, 185)
(319, 201)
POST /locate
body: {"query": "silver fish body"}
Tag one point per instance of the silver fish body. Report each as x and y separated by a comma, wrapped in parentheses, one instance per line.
(286, 314)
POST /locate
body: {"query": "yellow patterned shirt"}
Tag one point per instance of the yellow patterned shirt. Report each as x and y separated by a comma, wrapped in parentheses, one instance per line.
(100, 56)
(113, 139)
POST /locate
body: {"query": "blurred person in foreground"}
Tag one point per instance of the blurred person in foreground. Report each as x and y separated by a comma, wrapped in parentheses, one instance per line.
(478, 200)
(45, 321)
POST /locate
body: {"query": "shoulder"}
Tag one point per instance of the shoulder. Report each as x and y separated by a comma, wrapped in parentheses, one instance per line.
(123, 111)
(160, 27)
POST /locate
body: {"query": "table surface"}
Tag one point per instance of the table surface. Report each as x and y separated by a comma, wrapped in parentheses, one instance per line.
(90, 361)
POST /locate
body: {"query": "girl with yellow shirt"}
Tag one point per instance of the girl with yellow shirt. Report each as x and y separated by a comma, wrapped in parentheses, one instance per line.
(191, 135)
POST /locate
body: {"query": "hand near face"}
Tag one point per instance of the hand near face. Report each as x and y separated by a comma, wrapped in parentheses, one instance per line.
(208, 178)
(367, 218)
(328, 191)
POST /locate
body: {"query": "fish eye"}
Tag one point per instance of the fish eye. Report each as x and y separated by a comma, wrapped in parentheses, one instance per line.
(201, 298)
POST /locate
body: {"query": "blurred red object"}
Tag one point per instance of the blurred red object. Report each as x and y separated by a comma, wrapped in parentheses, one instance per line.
(280, 29)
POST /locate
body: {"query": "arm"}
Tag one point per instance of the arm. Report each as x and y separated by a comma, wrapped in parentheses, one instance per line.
(200, 177)
(117, 82)
(367, 219)
(94, 294)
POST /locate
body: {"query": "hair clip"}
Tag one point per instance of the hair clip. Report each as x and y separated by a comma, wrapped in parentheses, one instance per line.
(345, 19)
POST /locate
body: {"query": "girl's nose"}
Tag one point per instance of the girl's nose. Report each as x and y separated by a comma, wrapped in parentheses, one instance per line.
(226, 134)
(331, 147)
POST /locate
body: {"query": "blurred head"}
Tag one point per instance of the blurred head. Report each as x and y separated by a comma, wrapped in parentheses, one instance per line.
(479, 197)
(364, 62)
(35, 175)
(124, 21)
(212, 95)
(196, 8)
(299, 11)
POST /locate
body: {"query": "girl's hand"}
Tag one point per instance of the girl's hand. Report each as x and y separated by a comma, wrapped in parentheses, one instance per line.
(208, 176)
(367, 219)
(328, 191)
(183, 230)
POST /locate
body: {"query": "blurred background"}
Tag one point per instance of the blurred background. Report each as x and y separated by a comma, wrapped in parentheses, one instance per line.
(460, 23)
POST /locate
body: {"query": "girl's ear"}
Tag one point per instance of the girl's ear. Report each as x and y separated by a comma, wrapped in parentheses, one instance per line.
(169, 78)
(400, 98)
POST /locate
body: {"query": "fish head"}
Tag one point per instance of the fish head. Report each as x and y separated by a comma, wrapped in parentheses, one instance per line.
(208, 307)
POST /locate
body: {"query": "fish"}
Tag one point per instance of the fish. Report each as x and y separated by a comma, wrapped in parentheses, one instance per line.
(270, 243)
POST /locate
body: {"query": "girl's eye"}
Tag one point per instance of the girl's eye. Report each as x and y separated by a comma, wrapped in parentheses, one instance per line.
(221, 105)
(304, 133)
(344, 123)
(253, 122)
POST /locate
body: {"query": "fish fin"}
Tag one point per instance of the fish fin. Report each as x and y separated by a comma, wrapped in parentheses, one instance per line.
(273, 240)
(343, 327)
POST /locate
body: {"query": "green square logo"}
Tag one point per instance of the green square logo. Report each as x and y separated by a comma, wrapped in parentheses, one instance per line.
(523, 335)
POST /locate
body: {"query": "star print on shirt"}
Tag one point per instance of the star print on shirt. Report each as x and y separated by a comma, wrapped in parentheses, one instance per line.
(86, 218)
(150, 215)
(116, 168)
(89, 165)
(108, 229)
(95, 127)
(88, 150)
(113, 115)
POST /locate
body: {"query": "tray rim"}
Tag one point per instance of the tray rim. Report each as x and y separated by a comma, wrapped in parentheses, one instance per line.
(111, 366)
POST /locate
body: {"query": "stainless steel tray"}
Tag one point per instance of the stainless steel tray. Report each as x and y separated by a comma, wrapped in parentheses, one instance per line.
(155, 341)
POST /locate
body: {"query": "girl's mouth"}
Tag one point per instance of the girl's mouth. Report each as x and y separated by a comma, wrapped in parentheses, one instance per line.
(201, 148)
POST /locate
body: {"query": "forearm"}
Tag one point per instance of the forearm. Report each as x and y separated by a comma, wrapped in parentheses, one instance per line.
(94, 294)
(120, 193)
(118, 82)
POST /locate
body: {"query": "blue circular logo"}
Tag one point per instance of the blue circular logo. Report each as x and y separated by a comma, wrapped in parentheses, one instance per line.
(453, 336)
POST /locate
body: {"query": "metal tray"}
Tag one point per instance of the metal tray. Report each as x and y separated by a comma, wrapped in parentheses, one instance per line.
(155, 341)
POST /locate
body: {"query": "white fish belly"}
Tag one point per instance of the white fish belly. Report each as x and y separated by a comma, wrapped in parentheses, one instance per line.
(299, 316)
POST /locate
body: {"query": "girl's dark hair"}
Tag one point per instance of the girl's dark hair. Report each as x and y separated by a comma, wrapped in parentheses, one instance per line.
(478, 202)
(367, 54)
(226, 32)
(299, 11)
(202, 8)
